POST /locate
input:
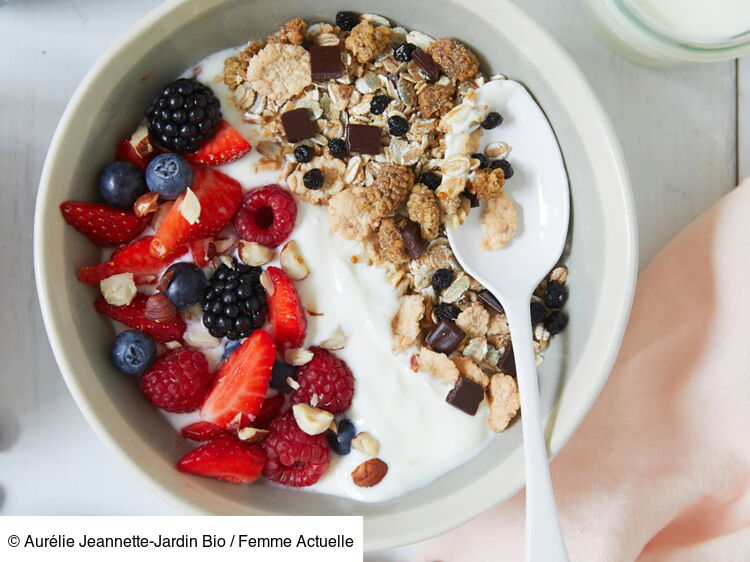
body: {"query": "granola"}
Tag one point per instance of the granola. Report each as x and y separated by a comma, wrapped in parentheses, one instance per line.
(279, 71)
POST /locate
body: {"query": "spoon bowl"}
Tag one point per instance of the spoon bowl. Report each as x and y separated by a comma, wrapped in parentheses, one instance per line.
(541, 195)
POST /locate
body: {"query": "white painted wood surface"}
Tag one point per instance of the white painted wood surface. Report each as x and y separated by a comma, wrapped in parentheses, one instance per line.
(679, 129)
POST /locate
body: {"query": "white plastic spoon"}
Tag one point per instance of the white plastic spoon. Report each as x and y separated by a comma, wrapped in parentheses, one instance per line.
(511, 274)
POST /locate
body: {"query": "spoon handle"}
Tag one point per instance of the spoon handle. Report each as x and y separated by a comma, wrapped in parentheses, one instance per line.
(543, 539)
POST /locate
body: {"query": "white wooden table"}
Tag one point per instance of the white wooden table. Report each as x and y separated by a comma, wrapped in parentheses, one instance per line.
(685, 132)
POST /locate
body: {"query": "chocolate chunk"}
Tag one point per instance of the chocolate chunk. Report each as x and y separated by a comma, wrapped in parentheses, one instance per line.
(426, 64)
(364, 139)
(466, 395)
(297, 125)
(490, 300)
(445, 337)
(507, 363)
(326, 63)
(412, 237)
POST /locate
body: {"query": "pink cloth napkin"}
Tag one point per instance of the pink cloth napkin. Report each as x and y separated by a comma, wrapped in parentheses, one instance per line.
(660, 468)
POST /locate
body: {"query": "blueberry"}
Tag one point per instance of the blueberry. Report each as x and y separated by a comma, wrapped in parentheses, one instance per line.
(556, 322)
(442, 279)
(404, 52)
(471, 197)
(304, 153)
(347, 20)
(431, 180)
(378, 104)
(313, 179)
(398, 126)
(121, 183)
(538, 313)
(555, 294)
(341, 440)
(447, 311)
(484, 162)
(229, 349)
(505, 165)
(492, 120)
(281, 371)
(134, 352)
(169, 175)
(186, 284)
(337, 148)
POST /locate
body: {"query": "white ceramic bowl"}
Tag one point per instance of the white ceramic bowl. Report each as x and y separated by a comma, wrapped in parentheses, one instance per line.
(114, 95)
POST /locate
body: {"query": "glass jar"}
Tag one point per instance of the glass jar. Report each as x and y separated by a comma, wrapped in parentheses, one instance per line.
(630, 29)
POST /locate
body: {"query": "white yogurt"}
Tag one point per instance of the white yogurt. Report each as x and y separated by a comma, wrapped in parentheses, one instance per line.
(421, 436)
(701, 21)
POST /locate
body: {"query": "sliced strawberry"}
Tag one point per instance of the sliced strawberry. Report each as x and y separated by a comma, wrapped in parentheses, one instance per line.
(225, 146)
(126, 153)
(242, 382)
(102, 224)
(200, 250)
(134, 258)
(219, 196)
(268, 412)
(201, 431)
(227, 458)
(286, 317)
(133, 316)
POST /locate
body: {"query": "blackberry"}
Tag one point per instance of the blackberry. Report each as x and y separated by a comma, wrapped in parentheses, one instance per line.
(185, 114)
(313, 179)
(492, 120)
(555, 294)
(442, 279)
(347, 20)
(556, 322)
(505, 165)
(447, 311)
(398, 126)
(403, 52)
(234, 302)
(304, 153)
(337, 148)
(538, 313)
(431, 180)
(484, 162)
(378, 104)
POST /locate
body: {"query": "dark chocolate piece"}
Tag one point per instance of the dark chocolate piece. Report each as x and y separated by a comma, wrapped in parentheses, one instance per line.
(466, 395)
(426, 64)
(445, 337)
(297, 125)
(507, 363)
(364, 139)
(490, 300)
(325, 63)
(413, 241)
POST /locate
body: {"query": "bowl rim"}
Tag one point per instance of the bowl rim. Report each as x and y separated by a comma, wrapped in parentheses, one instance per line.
(578, 99)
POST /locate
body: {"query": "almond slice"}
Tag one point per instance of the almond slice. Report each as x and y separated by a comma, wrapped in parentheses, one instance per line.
(159, 308)
(252, 434)
(337, 340)
(298, 356)
(292, 261)
(190, 209)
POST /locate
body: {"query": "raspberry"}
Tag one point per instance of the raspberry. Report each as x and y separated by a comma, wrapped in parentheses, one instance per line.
(178, 382)
(329, 378)
(294, 458)
(266, 216)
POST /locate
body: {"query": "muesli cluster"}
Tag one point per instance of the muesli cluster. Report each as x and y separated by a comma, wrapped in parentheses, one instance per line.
(382, 125)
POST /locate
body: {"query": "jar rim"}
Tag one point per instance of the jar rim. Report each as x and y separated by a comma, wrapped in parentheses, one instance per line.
(659, 33)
